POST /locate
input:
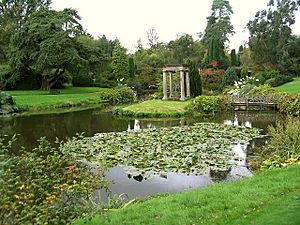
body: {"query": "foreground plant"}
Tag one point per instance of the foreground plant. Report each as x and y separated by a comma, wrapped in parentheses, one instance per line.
(284, 144)
(45, 186)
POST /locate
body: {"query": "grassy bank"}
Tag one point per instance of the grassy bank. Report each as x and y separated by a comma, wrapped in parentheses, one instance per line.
(37, 100)
(154, 108)
(272, 197)
(291, 87)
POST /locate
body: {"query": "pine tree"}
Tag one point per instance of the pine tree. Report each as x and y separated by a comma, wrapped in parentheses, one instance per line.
(217, 32)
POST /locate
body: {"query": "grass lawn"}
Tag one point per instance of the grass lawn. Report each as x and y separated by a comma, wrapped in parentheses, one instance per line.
(69, 90)
(291, 87)
(271, 197)
(153, 108)
(36, 100)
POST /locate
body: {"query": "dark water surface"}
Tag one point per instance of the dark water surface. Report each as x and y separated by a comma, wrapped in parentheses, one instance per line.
(62, 126)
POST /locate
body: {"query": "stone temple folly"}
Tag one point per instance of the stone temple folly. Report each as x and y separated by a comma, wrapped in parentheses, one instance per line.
(184, 81)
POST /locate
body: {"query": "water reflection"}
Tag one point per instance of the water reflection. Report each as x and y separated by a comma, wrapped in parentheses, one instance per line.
(134, 185)
(137, 186)
(90, 122)
(31, 128)
(237, 120)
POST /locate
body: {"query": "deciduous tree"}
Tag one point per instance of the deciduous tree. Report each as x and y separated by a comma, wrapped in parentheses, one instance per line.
(45, 46)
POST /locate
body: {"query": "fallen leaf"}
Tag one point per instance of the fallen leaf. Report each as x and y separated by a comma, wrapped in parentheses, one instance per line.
(157, 217)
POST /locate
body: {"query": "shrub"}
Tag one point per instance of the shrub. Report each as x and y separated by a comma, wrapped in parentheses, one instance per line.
(123, 95)
(263, 90)
(7, 104)
(263, 76)
(209, 105)
(289, 104)
(7, 77)
(83, 79)
(245, 71)
(243, 86)
(47, 185)
(284, 144)
(279, 80)
(272, 77)
(230, 76)
(212, 79)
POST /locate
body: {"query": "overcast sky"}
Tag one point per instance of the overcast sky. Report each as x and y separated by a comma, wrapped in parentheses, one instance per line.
(129, 20)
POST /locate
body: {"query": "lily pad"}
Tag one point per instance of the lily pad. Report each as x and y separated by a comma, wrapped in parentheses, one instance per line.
(188, 149)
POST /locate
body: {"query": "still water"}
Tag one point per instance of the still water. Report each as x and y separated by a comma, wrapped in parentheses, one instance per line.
(89, 122)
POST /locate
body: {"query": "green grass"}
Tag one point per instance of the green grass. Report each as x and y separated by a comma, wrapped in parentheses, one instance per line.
(155, 108)
(37, 100)
(272, 197)
(283, 210)
(291, 87)
(69, 90)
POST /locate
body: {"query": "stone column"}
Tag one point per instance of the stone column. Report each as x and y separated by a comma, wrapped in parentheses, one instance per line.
(182, 97)
(187, 81)
(165, 85)
(171, 86)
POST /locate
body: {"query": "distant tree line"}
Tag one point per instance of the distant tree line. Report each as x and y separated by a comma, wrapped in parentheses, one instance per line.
(42, 48)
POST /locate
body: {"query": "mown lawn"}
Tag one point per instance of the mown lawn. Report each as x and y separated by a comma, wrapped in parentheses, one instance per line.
(69, 90)
(157, 107)
(54, 100)
(291, 87)
(36, 100)
(272, 197)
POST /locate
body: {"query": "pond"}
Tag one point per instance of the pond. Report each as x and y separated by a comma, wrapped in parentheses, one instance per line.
(62, 126)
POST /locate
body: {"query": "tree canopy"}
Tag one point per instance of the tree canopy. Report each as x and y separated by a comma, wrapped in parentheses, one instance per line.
(120, 66)
(13, 14)
(217, 32)
(271, 33)
(46, 45)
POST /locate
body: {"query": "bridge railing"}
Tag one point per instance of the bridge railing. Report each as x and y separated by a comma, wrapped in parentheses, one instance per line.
(263, 99)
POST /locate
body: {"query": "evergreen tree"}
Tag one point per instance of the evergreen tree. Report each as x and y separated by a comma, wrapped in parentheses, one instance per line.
(195, 79)
(241, 50)
(120, 64)
(230, 76)
(43, 46)
(13, 15)
(271, 33)
(217, 32)
(131, 66)
(234, 61)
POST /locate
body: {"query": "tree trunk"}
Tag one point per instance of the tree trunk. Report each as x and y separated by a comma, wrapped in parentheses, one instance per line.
(45, 84)
(48, 82)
